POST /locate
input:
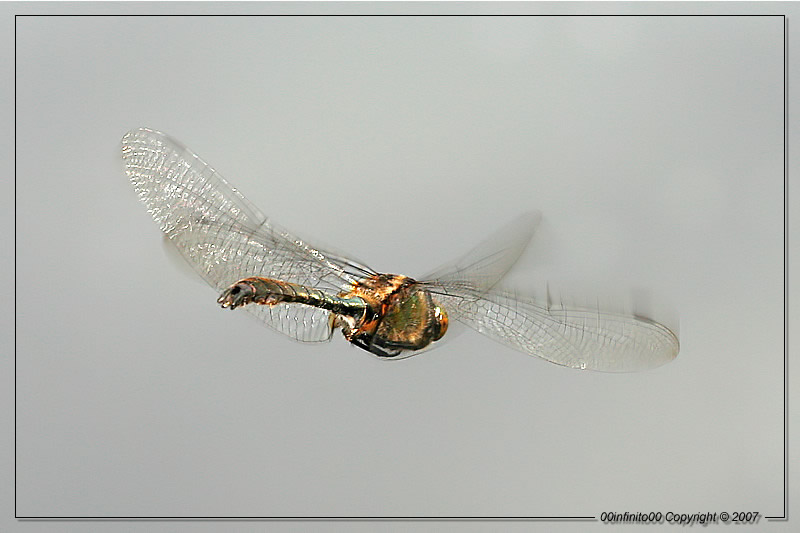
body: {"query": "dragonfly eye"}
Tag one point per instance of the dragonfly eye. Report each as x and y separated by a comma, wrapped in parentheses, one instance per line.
(440, 316)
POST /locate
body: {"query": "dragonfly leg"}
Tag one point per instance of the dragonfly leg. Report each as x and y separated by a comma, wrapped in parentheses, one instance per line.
(380, 351)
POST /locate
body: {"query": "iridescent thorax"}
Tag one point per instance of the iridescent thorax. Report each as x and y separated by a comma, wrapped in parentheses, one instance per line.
(400, 315)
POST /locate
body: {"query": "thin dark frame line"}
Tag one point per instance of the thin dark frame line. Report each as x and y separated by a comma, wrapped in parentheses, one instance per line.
(549, 15)
(313, 518)
(15, 265)
(784, 517)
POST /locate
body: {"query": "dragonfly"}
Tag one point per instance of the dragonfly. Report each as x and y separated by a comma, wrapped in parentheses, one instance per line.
(307, 293)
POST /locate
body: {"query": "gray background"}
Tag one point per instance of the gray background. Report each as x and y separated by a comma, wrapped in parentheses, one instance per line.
(651, 146)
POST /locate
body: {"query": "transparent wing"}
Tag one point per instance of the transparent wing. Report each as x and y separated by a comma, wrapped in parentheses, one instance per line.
(574, 337)
(485, 265)
(569, 336)
(224, 237)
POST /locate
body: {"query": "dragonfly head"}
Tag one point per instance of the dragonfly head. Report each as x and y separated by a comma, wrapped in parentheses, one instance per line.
(440, 322)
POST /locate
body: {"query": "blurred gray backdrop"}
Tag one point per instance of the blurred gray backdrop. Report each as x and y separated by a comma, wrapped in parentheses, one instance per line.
(652, 146)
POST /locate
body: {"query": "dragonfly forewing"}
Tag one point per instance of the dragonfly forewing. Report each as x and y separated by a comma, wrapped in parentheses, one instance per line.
(223, 236)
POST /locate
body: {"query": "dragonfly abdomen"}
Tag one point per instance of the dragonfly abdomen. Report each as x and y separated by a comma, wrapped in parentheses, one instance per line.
(267, 291)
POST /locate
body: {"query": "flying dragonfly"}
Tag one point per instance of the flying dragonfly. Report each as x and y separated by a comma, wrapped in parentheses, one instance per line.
(307, 293)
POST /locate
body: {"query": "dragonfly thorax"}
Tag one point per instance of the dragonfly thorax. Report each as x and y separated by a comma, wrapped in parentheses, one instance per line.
(401, 316)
